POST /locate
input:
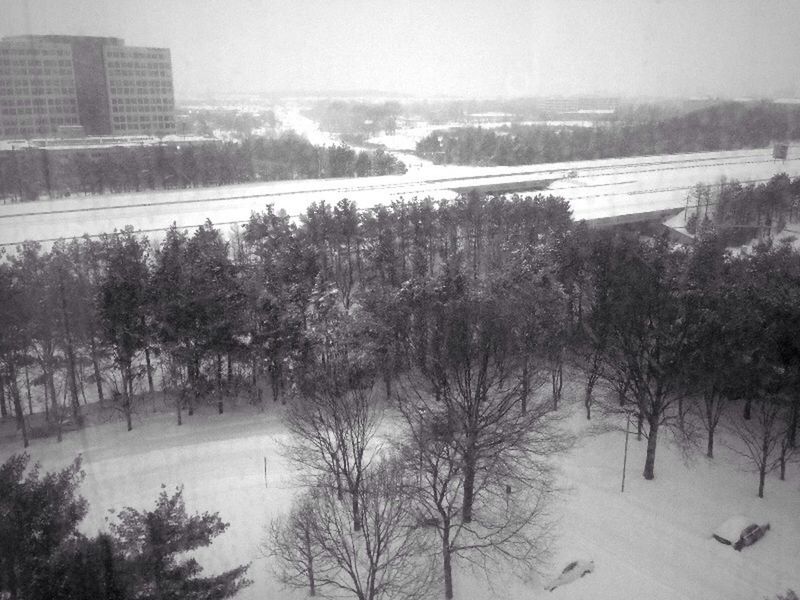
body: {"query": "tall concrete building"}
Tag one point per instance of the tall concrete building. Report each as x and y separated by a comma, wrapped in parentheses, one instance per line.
(48, 82)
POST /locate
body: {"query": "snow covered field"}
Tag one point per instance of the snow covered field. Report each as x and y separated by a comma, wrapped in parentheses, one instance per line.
(654, 541)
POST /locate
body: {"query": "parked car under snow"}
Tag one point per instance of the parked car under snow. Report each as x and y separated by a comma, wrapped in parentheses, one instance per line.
(574, 570)
(740, 531)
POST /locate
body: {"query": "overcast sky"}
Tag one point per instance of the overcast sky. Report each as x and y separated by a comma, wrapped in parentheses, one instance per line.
(449, 47)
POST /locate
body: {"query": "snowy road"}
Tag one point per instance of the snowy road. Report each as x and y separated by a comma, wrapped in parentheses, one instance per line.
(596, 190)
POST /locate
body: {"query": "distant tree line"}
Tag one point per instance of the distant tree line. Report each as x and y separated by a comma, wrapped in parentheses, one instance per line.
(33, 173)
(727, 126)
(362, 118)
(740, 212)
(235, 122)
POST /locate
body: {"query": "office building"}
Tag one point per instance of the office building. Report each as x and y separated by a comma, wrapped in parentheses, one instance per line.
(50, 83)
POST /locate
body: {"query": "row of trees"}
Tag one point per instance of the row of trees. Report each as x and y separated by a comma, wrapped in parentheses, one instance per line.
(356, 118)
(693, 330)
(43, 556)
(727, 126)
(740, 212)
(33, 173)
(199, 313)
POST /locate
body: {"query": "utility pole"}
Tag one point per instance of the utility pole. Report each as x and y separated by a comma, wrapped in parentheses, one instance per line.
(625, 455)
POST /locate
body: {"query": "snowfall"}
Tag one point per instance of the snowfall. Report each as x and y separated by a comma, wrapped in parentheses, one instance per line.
(652, 541)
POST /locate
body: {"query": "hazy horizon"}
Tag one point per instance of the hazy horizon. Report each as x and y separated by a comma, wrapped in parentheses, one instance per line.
(468, 48)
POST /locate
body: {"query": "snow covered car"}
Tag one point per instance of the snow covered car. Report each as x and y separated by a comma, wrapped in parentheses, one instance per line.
(574, 570)
(739, 532)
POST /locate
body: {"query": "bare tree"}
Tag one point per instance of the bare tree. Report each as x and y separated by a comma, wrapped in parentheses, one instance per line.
(333, 426)
(291, 542)
(511, 482)
(762, 437)
(387, 558)
(711, 411)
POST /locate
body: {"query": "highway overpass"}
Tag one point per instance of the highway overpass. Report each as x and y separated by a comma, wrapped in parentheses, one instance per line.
(599, 192)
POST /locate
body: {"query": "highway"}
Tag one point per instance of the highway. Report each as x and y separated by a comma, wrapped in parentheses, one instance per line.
(598, 191)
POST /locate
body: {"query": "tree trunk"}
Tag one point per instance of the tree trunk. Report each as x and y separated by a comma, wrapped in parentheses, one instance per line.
(587, 399)
(621, 392)
(339, 486)
(178, 400)
(710, 422)
(762, 467)
(639, 425)
(51, 383)
(21, 425)
(274, 380)
(469, 486)
(73, 385)
(526, 383)
(557, 379)
(312, 586)
(46, 402)
(59, 417)
(72, 380)
(194, 376)
(126, 398)
(710, 445)
(447, 562)
(96, 366)
(230, 368)
(652, 439)
(784, 449)
(82, 386)
(220, 407)
(387, 383)
(356, 510)
(748, 405)
(149, 368)
(3, 409)
(28, 390)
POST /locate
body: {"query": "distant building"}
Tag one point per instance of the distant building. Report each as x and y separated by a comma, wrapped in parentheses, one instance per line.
(577, 104)
(48, 82)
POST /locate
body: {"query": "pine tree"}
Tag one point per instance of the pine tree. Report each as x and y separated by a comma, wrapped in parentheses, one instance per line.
(153, 543)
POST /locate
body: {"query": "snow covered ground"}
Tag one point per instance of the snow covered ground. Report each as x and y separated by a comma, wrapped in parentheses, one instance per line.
(654, 541)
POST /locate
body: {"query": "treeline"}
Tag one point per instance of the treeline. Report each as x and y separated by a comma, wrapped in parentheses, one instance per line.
(356, 118)
(418, 287)
(236, 122)
(741, 212)
(33, 173)
(727, 126)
